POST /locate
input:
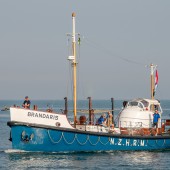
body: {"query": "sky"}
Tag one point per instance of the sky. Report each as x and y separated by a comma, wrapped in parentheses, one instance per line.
(118, 39)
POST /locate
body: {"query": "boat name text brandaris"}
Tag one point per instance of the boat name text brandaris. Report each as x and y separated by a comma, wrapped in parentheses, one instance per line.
(42, 115)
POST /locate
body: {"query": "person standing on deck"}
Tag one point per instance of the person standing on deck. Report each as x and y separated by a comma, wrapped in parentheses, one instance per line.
(156, 118)
(109, 119)
(26, 104)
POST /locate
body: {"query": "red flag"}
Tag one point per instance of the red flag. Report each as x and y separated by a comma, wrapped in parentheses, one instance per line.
(156, 82)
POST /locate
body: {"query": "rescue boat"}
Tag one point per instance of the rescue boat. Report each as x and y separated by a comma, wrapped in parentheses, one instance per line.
(44, 131)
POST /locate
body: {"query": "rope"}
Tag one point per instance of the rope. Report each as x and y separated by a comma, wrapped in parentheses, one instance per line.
(162, 144)
(76, 138)
(80, 83)
(149, 144)
(70, 78)
(99, 140)
(96, 142)
(95, 111)
(100, 47)
(69, 72)
(69, 142)
(84, 142)
(104, 143)
(52, 139)
(166, 144)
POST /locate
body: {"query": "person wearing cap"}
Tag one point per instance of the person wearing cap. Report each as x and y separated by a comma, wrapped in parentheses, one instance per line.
(26, 104)
(156, 118)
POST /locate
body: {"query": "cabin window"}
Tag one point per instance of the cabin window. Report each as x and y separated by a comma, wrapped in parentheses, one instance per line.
(140, 105)
(145, 103)
(133, 103)
(153, 107)
(136, 104)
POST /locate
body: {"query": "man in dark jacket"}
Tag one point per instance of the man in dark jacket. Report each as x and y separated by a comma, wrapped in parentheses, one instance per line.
(26, 104)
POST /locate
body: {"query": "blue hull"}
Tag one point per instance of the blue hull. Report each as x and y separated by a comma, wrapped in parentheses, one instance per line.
(31, 138)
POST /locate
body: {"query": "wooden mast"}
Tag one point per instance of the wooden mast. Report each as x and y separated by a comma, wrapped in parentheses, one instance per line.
(74, 70)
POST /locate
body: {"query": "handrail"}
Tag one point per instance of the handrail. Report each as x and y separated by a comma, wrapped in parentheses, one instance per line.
(131, 127)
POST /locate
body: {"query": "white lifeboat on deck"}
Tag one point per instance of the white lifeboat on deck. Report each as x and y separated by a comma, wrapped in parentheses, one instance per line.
(138, 113)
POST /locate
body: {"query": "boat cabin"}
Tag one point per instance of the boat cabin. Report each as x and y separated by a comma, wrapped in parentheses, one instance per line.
(144, 105)
(138, 113)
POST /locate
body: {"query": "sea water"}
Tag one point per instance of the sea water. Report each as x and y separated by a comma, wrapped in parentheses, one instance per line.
(12, 159)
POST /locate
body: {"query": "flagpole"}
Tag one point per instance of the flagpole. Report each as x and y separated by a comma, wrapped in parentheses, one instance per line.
(152, 81)
(153, 68)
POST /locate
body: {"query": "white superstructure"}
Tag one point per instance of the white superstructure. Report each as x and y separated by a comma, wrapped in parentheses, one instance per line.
(39, 117)
(138, 113)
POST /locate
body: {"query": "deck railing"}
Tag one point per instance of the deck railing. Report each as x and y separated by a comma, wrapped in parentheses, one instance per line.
(139, 128)
(130, 127)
